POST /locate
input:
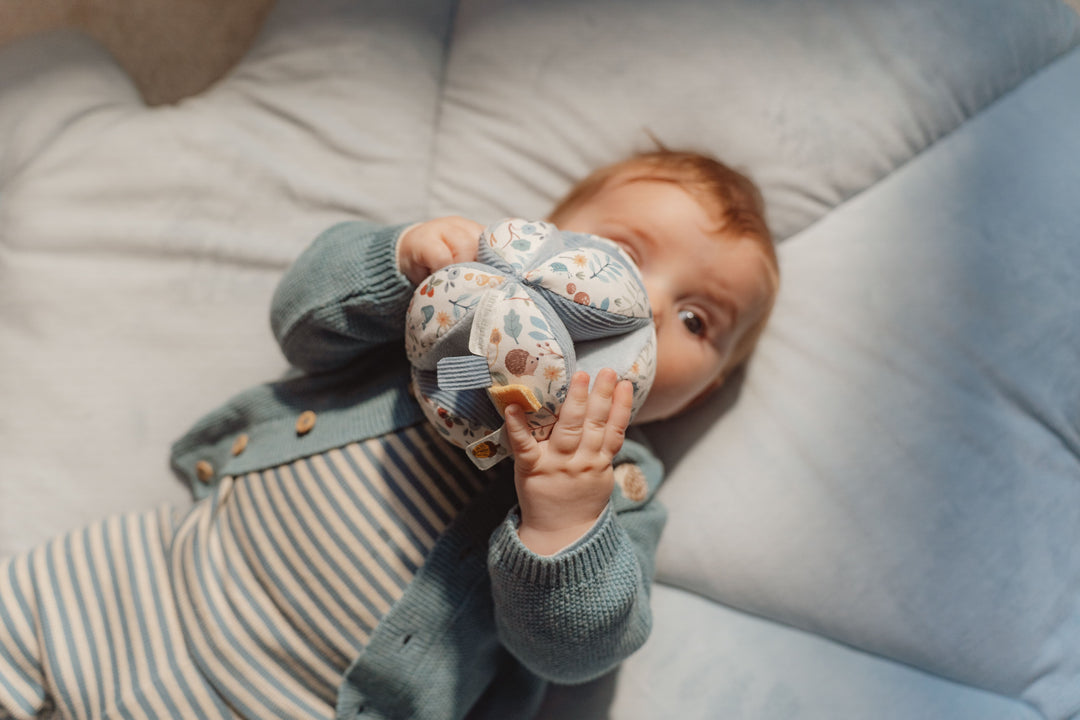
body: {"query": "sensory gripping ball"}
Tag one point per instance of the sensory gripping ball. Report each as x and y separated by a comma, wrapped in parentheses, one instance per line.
(513, 327)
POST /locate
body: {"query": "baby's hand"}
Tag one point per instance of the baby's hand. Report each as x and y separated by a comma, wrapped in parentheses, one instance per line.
(434, 244)
(564, 483)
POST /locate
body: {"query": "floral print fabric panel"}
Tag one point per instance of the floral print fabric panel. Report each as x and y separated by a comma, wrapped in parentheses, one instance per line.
(509, 329)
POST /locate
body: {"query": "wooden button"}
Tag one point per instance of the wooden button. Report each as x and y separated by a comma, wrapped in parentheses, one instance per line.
(204, 471)
(305, 422)
(240, 444)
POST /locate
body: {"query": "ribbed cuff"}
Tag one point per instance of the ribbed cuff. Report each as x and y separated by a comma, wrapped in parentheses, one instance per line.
(584, 560)
(397, 243)
(386, 285)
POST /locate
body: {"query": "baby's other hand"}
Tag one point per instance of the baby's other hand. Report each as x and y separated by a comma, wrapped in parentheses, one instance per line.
(434, 244)
(564, 483)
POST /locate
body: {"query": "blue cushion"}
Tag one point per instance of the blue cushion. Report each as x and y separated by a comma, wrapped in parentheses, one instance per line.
(817, 99)
(706, 661)
(901, 471)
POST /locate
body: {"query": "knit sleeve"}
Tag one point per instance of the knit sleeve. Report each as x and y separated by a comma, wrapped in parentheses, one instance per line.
(342, 296)
(574, 616)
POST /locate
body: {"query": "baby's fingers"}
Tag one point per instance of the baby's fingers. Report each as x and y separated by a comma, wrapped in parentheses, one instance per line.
(622, 407)
(463, 239)
(435, 256)
(602, 412)
(566, 437)
(526, 449)
(598, 412)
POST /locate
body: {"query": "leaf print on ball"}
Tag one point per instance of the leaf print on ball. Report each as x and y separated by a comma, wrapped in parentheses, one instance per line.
(512, 324)
(604, 268)
(542, 332)
(595, 278)
(516, 241)
(463, 304)
(428, 311)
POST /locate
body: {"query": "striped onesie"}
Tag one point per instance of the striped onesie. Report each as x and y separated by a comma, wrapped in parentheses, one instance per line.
(250, 605)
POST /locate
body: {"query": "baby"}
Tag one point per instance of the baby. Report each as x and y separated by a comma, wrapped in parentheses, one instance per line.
(344, 560)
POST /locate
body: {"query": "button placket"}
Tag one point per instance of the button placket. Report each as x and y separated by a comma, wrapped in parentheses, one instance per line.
(305, 422)
(204, 471)
(240, 444)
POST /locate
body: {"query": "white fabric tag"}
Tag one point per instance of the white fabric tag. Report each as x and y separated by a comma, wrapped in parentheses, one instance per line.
(489, 450)
(484, 318)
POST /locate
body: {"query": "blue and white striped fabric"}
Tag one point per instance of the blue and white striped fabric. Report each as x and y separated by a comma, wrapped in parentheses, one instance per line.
(252, 605)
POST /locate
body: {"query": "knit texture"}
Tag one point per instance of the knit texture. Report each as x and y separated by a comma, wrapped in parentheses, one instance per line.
(485, 621)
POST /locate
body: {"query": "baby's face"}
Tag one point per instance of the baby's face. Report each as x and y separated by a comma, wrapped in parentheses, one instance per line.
(706, 291)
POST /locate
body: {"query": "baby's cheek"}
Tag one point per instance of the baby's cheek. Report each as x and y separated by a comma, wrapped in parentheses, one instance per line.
(674, 384)
(686, 369)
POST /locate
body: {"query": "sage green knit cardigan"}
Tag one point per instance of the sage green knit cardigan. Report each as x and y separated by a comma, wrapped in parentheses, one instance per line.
(486, 621)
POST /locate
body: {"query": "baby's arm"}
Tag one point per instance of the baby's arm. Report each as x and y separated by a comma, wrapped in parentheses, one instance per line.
(346, 292)
(574, 615)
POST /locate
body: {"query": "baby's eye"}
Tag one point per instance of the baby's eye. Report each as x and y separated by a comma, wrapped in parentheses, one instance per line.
(692, 322)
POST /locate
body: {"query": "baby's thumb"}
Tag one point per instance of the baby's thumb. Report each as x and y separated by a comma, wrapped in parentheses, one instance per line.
(519, 436)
